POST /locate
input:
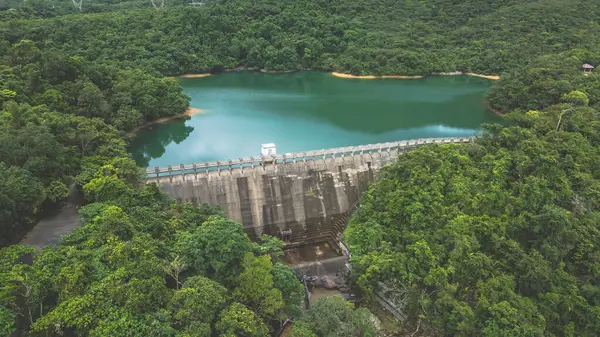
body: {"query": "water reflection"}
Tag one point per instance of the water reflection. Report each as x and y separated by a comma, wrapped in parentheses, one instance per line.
(372, 106)
(151, 143)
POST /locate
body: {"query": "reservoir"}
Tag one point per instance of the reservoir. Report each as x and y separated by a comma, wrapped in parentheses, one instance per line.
(310, 111)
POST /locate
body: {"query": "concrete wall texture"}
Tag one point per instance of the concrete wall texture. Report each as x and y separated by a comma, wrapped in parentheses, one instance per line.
(310, 197)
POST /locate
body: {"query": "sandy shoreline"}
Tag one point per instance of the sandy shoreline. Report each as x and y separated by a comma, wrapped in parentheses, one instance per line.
(489, 77)
(342, 75)
(188, 113)
(370, 77)
(264, 71)
(192, 111)
(194, 75)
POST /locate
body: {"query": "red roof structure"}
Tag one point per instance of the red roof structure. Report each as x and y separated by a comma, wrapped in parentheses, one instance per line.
(588, 66)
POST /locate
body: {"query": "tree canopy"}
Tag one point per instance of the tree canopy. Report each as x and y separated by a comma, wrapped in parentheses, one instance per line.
(127, 272)
(332, 316)
(494, 238)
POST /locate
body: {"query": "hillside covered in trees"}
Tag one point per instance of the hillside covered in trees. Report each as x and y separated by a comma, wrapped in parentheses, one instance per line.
(537, 45)
(494, 238)
(142, 265)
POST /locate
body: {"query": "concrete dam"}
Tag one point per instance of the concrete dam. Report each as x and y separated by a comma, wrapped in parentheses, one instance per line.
(301, 198)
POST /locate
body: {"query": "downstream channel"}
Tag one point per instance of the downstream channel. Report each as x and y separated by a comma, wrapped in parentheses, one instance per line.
(309, 111)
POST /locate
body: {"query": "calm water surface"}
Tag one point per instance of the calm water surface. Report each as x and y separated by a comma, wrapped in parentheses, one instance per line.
(310, 111)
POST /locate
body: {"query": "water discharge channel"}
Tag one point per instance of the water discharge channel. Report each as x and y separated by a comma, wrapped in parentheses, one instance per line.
(308, 111)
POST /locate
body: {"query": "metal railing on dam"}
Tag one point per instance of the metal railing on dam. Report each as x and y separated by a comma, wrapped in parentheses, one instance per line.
(250, 162)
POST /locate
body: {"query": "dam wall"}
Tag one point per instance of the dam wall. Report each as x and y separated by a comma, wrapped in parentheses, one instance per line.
(299, 197)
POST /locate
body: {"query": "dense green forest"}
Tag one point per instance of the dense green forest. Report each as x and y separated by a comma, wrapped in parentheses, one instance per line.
(538, 46)
(496, 238)
(62, 114)
(142, 265)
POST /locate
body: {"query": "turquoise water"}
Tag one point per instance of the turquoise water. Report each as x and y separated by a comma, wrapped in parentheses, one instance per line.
(309, 111)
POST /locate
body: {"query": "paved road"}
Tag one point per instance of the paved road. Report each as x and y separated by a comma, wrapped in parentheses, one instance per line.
(49, 231)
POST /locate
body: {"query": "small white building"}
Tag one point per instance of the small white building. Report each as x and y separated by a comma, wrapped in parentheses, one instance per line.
(268, 150)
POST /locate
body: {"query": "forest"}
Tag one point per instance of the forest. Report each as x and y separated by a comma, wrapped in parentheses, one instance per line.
(496, 238)
(142, 265)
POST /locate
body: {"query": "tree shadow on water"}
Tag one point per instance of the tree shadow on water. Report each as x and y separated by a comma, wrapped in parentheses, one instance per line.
(150, 143)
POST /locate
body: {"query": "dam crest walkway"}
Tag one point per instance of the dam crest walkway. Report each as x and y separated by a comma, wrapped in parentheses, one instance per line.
(251, 162)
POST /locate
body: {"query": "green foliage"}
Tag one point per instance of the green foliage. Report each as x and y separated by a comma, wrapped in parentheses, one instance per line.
(59, 111)
(255, 287)
(302, 329)
(199, 300)
(6, 95)
(20, 196)
(491, 238)
(333, 316)
(16, 286)
(216, 248)
(148, 96)
(270, 245)
(120, 275)
(494, 238)
(106, 185)
(544, 81)
(576, 98)
(237, 320)
(123, 324)
(292, 291)
(7, 321)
